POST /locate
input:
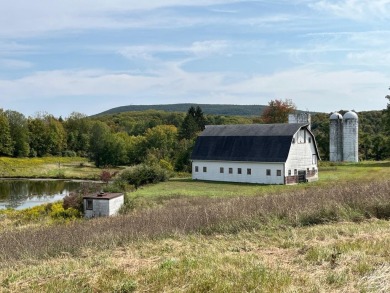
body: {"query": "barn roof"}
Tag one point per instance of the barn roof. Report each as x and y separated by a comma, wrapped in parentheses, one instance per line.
(252, 142)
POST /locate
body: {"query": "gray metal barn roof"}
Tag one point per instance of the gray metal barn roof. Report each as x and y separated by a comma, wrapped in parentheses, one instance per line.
(253, 142)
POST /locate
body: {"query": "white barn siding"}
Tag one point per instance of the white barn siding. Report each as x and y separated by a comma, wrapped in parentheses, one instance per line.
(275, 154)
(258, 172)
(302, 155)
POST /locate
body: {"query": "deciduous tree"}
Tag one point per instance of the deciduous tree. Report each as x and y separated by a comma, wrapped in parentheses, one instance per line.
(277, 111)
(5, 135)
(19, 133)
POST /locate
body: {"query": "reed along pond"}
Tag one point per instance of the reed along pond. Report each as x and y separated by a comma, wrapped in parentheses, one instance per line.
(22, 194)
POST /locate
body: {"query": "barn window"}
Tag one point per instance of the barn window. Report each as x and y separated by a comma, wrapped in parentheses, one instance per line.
(268, 172)
(230, 170)
(309, 139)
(204, 169)
(239, 171)
(314, 160)
(221, 170)
(89, 204)
(302, 136)
(278, 172)
(196, 169)
(289, 172)
(295, 172)
(248, 171)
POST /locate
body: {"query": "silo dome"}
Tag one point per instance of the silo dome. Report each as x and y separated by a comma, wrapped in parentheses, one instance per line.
(335, 116)
(351, 115)
(336, 137)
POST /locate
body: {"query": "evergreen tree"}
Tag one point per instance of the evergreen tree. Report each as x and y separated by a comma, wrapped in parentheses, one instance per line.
(199, 118)
(193, 123)
(386, 116)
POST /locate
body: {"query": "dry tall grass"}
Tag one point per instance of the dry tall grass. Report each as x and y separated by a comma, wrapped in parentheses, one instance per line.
(354, 202)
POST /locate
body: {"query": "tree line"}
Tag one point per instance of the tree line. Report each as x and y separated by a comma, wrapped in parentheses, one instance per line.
(153, 137)
(159, 137)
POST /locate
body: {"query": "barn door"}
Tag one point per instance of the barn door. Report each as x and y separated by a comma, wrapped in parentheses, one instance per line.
(301, 176)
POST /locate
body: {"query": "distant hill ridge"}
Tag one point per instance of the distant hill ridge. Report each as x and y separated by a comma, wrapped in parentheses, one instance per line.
(216, 109)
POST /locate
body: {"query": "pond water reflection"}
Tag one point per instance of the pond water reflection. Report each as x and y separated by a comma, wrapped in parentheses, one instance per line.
(21, 194)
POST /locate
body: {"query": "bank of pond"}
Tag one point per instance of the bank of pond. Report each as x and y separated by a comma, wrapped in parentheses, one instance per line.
(26, 193)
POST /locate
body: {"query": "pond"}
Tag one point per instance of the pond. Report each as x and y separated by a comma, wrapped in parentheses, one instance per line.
(21, 194)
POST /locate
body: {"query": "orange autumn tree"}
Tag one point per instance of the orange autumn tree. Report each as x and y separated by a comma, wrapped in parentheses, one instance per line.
(277, 111)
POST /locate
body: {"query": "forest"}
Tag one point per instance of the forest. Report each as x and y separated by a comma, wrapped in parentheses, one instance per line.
(153, 136)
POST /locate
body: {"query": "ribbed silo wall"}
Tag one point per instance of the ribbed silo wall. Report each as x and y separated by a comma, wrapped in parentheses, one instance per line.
(350, 140)
(336, 140)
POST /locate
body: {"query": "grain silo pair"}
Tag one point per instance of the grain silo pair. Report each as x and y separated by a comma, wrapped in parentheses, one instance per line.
(343, 137)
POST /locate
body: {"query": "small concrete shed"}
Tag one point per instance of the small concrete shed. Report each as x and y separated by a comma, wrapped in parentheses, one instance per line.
(102, 204)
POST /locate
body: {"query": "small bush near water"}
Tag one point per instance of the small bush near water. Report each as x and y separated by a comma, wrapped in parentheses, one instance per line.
(143, 174)
(352, 202)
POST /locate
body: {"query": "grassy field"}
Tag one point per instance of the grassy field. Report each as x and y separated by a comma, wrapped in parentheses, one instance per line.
(329, 174)
(48, 167)
(339, 257)
(184, 236)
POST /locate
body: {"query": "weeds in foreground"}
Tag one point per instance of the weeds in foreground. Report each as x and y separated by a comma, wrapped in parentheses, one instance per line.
(353, 202)
(249, 261)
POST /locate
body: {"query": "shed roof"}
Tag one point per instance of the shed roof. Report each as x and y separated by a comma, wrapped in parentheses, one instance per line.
(103, 195)
(252, 142)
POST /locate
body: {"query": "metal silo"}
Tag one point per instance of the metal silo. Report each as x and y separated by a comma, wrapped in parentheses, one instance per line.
(336, 137)
(350, 137)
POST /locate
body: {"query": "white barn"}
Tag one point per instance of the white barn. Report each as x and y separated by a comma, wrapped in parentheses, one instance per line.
(102, 204)
(256, 153)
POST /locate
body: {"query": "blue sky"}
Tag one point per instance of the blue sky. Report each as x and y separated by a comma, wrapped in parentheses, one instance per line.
(89, 56)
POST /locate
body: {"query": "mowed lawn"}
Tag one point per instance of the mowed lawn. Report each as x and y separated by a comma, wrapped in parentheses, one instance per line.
(329, 174)
(48, 167)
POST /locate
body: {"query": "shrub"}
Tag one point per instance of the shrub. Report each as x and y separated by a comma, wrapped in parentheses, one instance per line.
(69, 153)
(118, 185)
(59, 213)
(105, 176)
(143, 174)
(73, 201)
(165, 165)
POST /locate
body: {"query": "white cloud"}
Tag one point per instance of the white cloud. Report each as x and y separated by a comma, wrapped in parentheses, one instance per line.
(356, 9)
(309, 88)
(206, 48)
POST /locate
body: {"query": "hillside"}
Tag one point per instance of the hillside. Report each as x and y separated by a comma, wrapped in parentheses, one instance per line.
(216, 109)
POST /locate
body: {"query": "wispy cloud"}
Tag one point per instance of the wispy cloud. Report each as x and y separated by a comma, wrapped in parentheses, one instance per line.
(356, 9)
(21, 18)
(197, 49)
(370, 58)
(14, 64)
(307, 87)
